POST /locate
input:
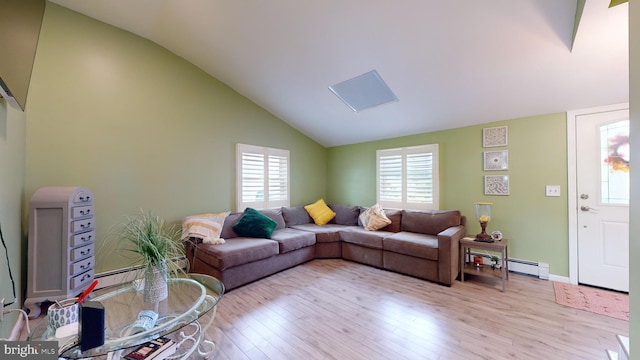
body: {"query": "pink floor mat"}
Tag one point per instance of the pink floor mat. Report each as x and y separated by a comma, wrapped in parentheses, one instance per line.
(595, 300)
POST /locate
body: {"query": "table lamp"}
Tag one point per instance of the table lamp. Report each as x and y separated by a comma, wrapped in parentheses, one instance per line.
(483, 214)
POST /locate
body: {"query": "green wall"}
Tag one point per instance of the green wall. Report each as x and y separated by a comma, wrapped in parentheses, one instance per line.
(143, 128)
(535, 224)
(12, 155)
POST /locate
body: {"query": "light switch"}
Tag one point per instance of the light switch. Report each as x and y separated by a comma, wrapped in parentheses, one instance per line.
(553, 190)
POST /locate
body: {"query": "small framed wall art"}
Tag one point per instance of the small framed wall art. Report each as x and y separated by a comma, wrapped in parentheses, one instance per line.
(496, 184)
(496, 160)
(495, 136)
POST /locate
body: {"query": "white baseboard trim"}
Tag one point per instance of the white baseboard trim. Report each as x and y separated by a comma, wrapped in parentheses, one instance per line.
(119, 276)
(123, 275)
(558, 278)
(532, 268)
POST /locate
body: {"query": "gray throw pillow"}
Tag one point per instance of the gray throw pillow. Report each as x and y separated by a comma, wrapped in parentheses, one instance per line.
(296, 215)
(345, 215)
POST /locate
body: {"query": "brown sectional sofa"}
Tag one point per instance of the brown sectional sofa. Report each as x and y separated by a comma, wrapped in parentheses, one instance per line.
(423, 244)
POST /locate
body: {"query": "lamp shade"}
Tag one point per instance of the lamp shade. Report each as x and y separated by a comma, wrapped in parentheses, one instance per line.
(483, 211)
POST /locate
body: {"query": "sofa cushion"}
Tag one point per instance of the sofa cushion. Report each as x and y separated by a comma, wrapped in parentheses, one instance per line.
(236, 251)
(396, 220)
(227, 228)
(429, 222)
(345, 215)
(291, 239)
(320, 212)
(325, 233)
(362, 237)
(414, 244)
(295, 215)
(275, 215)
(254, 224)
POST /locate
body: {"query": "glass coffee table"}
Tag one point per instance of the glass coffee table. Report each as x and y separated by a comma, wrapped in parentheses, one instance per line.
(190, 298)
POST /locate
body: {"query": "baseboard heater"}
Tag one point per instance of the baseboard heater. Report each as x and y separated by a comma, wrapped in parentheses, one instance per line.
(119, 276)
(537, 269)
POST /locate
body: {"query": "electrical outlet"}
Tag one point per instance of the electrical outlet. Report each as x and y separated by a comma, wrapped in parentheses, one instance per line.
(553, 190)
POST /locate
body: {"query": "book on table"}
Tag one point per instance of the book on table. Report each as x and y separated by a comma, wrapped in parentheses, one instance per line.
(157, 349)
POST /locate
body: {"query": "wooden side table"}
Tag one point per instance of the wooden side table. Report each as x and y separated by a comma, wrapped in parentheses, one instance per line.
(468, 243)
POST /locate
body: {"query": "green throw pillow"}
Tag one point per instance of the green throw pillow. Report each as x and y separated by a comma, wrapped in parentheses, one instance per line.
(254, 224)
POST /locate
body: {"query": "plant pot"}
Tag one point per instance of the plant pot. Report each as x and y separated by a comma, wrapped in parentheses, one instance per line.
(155, 283)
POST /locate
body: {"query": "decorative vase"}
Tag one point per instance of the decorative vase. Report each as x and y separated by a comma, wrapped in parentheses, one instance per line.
(483, 214)
(155, 283)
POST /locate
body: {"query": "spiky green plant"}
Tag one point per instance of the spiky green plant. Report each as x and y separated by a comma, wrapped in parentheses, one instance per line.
(152, 241)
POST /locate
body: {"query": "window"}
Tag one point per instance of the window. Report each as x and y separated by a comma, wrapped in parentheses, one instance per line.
(262, 177)
(614, 169)
(408, 177)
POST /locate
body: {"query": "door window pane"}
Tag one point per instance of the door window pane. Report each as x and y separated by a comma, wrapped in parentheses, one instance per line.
(614, 173)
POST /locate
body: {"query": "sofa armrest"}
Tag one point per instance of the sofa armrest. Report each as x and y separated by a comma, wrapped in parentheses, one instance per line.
(191, 245)
(448, 253)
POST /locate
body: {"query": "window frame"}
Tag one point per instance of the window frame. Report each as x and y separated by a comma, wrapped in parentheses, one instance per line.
(403, 153)
(266, 202)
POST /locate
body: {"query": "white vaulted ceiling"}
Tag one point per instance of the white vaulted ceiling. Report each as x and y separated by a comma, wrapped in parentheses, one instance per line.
(451, 63)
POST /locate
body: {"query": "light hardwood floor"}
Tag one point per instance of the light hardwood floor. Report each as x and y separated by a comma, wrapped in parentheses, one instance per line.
(335, 309)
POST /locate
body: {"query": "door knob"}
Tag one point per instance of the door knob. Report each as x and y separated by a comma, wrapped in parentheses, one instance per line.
(586, 208)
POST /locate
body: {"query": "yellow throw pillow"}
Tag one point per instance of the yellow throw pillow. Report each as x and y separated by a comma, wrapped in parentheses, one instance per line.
(320, 212)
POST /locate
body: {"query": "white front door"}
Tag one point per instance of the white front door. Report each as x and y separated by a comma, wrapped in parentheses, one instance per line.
(602, 190)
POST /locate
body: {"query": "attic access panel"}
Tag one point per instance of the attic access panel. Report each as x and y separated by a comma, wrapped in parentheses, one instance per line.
(364, 91)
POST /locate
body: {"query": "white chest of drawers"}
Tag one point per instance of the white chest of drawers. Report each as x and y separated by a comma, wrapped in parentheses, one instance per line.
(61, 245)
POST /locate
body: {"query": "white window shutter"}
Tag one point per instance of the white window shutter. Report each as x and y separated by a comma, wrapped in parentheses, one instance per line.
(390, 177)
(278, 178)
(253, 180)
(420, 178)
(262, 177)
(408, 177)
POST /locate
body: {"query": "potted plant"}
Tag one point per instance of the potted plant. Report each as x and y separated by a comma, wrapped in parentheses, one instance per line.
(494, 261)
(156, 245)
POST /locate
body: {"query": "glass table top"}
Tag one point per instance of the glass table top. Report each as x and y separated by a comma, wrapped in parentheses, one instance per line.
(189, 298)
